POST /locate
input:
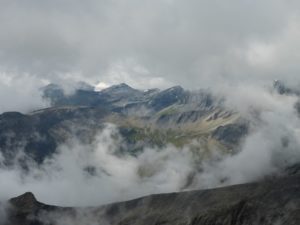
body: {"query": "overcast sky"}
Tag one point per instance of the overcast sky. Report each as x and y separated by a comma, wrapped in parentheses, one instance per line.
(157, 43)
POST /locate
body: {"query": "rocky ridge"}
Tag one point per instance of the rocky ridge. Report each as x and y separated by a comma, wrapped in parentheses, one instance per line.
(268, 202)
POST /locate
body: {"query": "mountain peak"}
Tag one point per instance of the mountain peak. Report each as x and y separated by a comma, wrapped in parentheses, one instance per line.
(25, 202)
(175, 88)
(121, 86)
(282, 88)
(120, 89)
(81, 85)
(279, 86)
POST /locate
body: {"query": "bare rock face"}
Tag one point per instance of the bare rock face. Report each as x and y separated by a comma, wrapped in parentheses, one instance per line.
(231, 134)
(271, 202)
(25, 210)
(25, 203)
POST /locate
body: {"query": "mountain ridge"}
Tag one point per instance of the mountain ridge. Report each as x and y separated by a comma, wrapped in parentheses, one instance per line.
(152, 118)
(268, 202)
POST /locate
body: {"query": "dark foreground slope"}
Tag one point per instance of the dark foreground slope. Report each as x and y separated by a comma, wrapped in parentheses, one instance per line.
(271, 202)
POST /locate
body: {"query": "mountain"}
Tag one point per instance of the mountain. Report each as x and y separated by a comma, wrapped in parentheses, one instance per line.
(40, 132)
(284, 89)
(197, 122)
(151, 118)
(270, 202)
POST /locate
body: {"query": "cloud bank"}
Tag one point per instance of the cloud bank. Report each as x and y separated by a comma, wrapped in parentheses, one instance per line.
(20, 93)
(82, 174)
(151, 44)
(93, 174)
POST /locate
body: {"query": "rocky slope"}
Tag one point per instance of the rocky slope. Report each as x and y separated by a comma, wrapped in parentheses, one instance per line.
(38, 134)
(269, 202)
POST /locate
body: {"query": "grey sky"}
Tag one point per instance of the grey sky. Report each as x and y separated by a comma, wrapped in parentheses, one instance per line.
(194, 43)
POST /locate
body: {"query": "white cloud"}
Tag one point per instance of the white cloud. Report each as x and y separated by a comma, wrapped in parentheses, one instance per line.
(134, 75)
(96, 174)
(171, 42)
(100, 86)
(20, 93)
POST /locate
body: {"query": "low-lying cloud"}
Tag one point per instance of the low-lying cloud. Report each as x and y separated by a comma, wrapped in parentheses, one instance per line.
(272, 144)
(20, 93)
(82, 174)
(3, 213)
(97, 174)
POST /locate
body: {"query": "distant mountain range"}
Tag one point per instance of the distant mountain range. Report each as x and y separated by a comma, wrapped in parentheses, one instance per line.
(144, 118)
(153, 118)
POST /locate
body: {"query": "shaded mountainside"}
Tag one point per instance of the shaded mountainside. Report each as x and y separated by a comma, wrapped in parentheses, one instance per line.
(149, 118)
(267, 202)
(39, 133)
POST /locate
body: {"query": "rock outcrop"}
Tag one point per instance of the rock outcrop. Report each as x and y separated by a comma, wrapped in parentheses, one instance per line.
(269, 202)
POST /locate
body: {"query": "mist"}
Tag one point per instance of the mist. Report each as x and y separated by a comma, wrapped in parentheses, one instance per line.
(82, 174)
(3, 213)
(154, 44)
(271, 146)
(20, 93)
(151, 44)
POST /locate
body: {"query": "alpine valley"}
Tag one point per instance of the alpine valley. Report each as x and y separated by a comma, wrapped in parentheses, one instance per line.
(182, 155)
